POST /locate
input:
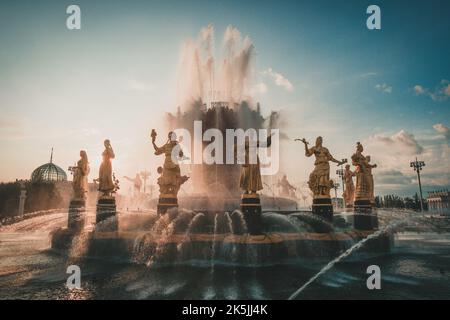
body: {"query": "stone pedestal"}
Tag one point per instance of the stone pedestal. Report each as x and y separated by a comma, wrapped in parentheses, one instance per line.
(365, 218)
(166, 202)
(323, 208)
(362, 205)
(106, 217)
(251, 208)
(77, 214)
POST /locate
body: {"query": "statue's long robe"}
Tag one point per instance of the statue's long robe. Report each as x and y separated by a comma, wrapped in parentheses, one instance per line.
(105, 183)
(250, 180)
(80, 181)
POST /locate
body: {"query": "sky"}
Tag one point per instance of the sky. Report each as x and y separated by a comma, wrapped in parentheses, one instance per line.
(313, 61)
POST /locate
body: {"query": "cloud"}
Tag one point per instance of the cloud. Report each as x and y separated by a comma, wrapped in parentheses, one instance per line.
(279, 79)
(418, 89)
(447, 90)
(393, 154)
(443, 130)
(392, 177)
(383, 88)
(401, 142)
(441, 92)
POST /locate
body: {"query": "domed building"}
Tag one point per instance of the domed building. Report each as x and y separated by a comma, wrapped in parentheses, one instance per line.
(48, 172)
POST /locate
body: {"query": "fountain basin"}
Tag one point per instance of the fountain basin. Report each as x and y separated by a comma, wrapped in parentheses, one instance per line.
(198, 241)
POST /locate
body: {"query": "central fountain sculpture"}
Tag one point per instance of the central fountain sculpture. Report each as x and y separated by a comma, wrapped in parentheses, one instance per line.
(319, 180)
(107, 186)
(77, 207)
(247, 236)
(170, 179)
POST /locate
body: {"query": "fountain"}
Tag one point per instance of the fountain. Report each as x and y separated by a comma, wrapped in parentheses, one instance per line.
(224, 220)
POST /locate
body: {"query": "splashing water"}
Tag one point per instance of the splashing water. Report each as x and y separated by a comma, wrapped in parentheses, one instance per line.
(347, 253)
(204, 76)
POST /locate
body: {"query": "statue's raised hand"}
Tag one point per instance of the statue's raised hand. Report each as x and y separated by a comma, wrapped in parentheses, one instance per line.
(302, 140)
(153, 135)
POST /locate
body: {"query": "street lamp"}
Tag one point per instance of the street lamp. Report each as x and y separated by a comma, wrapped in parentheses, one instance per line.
(145, 175)
(417, 165)
(336, 185)
(340, 173)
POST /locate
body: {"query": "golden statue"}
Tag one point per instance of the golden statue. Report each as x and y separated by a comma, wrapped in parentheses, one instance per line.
(106, 185)
(349, 193)
(319, 180)
(171, 179)
(362, 189)
(80, 173)
(250, 180)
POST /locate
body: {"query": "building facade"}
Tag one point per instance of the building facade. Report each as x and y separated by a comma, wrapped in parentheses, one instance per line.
(438, 200)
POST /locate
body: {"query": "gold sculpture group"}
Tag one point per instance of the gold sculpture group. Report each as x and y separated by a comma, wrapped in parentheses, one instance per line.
(319, 180)
(107, 184)
(170, 179)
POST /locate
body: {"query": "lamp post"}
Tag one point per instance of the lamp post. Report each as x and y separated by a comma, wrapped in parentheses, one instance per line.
(145, 175)
(417, 165)
(336, 185)
(22, 197)
(340, 173)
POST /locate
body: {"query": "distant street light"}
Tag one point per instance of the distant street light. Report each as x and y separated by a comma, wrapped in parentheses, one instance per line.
(340, 173)
(145, 175)
(417, 165)
(336, 185)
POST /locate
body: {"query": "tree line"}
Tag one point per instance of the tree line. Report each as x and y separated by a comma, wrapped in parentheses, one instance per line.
(397, 202)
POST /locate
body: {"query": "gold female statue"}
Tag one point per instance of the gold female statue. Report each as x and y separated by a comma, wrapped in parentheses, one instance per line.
(319, 180)
(349, 193)
(360, 162)
(80, 173)
(250, 180)
(369, 177)
(105, 180)
(171, 179)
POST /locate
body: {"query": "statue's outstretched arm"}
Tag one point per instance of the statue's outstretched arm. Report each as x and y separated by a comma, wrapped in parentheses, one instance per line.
(331, 158)
(158, 150)
(308, 152)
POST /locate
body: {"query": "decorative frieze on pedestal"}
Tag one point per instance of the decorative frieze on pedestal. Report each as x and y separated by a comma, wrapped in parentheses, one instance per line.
(77, 214)
(166, 202)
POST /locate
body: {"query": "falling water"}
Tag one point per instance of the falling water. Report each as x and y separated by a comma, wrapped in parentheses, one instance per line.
(352, 249)
(239, 224)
